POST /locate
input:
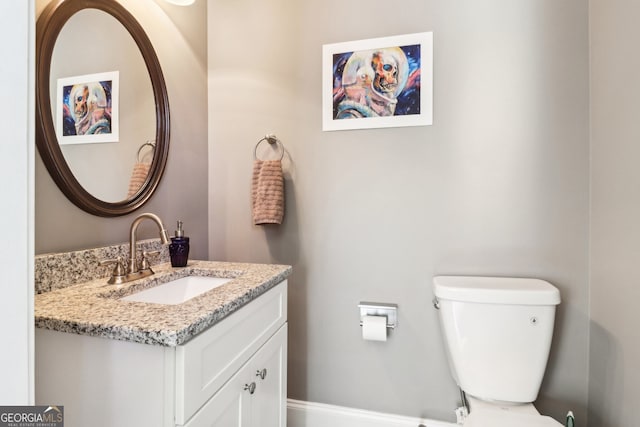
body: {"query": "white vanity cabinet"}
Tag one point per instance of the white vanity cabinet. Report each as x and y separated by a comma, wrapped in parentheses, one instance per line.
(253, 396)
(232, 374)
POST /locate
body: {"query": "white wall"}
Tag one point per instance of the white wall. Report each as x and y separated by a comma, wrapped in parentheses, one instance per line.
(614, 386)
(16, 172)
(498, 185)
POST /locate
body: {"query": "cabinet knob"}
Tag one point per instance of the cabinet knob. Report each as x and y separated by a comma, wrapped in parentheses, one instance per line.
(262, 374)
(251, 387)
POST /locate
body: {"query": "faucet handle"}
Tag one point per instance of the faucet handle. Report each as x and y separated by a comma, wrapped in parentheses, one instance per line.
(144, 263)
(118, 274)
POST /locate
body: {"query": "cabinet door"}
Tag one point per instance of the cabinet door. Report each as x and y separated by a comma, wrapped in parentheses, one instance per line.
(205, 364)
(229, 407)
(256, 396)
(269, 402)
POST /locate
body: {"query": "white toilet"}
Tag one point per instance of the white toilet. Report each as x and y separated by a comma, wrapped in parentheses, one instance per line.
(498, 334)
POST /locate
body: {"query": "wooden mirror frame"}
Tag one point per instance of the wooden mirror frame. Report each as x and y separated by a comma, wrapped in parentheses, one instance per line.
(48, 27)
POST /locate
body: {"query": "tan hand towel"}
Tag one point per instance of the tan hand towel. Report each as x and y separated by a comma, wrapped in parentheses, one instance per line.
(267, 192)
(138, 177)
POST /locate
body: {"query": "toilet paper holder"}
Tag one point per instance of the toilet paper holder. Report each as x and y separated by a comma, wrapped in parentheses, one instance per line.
(390, 311)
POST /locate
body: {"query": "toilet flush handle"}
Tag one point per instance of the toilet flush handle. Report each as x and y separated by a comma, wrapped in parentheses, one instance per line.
(436, 303)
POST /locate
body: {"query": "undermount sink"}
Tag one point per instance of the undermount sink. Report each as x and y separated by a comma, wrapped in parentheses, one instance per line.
(178, 291)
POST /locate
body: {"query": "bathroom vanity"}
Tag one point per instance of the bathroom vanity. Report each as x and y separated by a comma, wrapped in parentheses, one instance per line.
(217, 359)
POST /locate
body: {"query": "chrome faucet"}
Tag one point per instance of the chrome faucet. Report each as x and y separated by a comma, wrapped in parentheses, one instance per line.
(133, 269)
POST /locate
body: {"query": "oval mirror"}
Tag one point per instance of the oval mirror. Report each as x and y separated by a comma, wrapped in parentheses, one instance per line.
(102, 113)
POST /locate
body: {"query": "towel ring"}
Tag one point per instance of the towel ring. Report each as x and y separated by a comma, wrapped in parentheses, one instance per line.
(271, 139)
(151, 144)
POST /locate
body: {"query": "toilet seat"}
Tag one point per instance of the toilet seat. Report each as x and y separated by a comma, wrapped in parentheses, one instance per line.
(497, 418)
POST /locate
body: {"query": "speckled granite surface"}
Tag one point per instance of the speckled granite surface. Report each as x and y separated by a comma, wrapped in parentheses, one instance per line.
(94, 308)
(58, 270)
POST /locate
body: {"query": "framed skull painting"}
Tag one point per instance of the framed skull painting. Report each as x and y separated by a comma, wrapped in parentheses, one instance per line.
(87, 108)
(377, 83)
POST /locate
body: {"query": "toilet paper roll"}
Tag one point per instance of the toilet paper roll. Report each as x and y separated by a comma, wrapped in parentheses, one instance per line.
(374, 328)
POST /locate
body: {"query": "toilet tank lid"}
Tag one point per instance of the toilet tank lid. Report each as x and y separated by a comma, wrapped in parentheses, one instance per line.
(496, 290)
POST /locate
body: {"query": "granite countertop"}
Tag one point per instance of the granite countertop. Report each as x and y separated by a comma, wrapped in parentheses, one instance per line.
(94, 308)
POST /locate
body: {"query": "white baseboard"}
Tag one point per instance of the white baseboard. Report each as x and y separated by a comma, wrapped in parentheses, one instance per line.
(310, 414)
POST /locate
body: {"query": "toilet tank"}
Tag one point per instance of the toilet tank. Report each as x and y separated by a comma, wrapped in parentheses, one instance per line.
(497, 332)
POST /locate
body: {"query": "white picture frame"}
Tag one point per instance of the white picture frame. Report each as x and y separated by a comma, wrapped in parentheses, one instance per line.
(87, 108)
(358, 88)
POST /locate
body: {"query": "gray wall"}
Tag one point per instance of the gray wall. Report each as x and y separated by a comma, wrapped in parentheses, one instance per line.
(105, 169)
(179, 38)
(498, 185)
(614, 384)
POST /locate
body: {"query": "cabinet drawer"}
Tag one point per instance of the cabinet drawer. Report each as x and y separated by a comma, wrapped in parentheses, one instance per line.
(206, 362)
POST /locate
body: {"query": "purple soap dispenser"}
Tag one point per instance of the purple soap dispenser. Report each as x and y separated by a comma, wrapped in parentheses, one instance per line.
(179, 248)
